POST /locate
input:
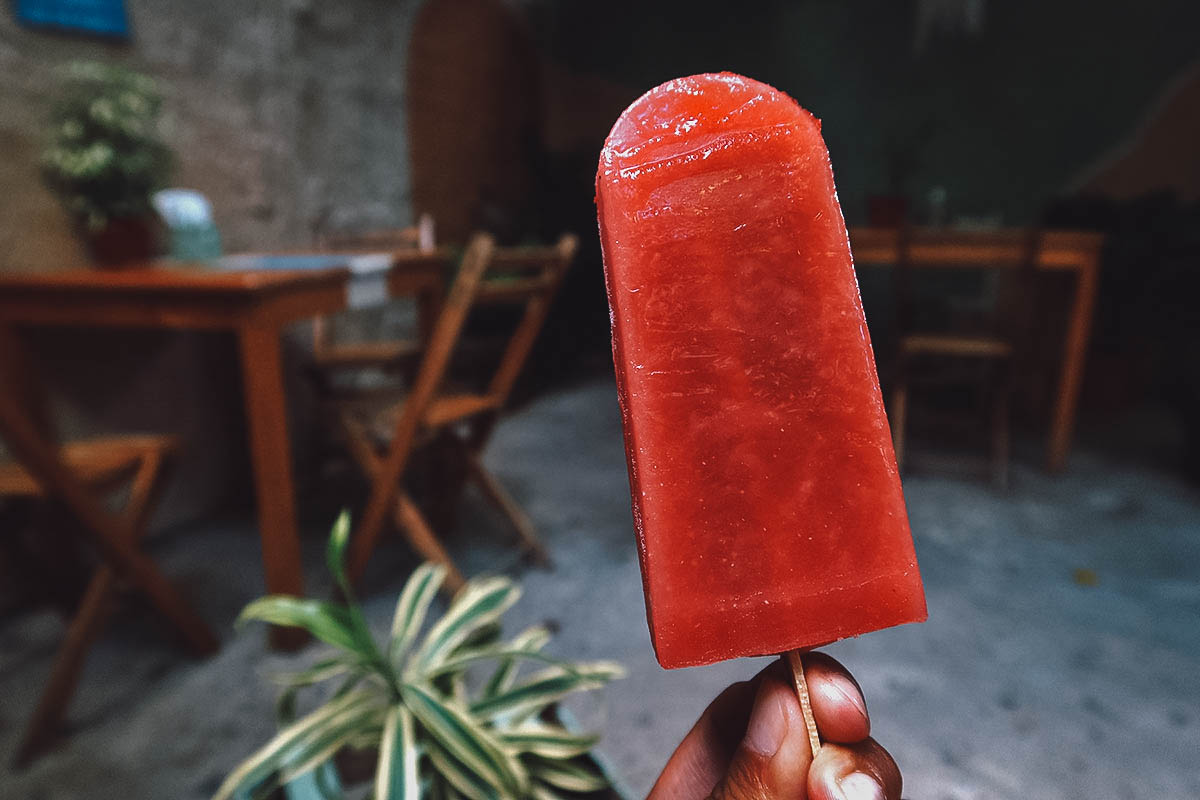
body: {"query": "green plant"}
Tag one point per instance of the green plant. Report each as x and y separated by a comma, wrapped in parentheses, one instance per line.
(437, 735)
(103, 155)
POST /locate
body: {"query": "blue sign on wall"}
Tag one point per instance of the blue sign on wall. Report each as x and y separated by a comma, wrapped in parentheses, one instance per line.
(104, 17)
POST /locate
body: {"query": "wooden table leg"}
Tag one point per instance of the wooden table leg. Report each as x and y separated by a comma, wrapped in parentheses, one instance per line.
(266, 420)
(1079, 331)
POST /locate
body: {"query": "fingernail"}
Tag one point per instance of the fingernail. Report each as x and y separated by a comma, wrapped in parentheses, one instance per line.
(768, 724)
(860, 786)
(846, 689)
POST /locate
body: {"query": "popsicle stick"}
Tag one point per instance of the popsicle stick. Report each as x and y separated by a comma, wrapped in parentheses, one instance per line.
(797, 665)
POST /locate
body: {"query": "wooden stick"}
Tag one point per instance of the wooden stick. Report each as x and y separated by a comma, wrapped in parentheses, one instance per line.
(797, 665)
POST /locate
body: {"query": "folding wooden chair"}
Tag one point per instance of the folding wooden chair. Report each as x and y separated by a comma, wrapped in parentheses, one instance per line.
(78, 475)
(331, 358)
(940, 357)
(383, 443)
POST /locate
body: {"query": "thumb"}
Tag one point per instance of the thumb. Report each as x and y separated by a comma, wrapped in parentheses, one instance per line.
(772, 761)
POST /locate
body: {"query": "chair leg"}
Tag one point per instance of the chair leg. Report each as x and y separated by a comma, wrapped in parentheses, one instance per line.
(899, 418)
(1001, 437)
(410, 520)
(147, 485)
(94, 610)
(502, 500)
(367, 532)
(64, 675)
(102, 529)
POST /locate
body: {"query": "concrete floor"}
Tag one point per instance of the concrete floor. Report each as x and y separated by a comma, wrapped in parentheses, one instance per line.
(1023, 684)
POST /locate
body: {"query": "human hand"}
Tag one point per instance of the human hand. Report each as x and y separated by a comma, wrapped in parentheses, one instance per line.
(751, 743)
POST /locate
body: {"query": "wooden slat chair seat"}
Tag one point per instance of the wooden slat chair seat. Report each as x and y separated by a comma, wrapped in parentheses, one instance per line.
(77, 476)
(98, 462)
(383, 440)
(356, 355)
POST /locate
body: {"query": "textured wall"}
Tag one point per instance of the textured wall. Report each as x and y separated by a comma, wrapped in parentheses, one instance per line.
(283, 113)
(1003, 119)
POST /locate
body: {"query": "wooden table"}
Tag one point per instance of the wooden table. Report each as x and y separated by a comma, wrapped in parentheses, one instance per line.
(254, 303)
(1073, 251)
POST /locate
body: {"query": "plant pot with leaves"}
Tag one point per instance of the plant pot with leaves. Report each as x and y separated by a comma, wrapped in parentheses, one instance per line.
(104, 158)
(444, 711)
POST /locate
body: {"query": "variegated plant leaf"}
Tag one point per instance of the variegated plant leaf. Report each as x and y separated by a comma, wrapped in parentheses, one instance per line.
(413, 606)
(328, 622)
(458, 689)
(484, 636)
(285, 704)
(321, 671)
(545, 687)
(460, 779)
(530, 640)
(480, 603)
(512, 651)
(352, 680)
(396, 776)
(465, 738)
(434, 744)
(322, 744)
(260, 766)
(548, 741)
(335, 551)
(542, 791)
(579, 775)
(335, 560)
(366, 739)
(293, 682)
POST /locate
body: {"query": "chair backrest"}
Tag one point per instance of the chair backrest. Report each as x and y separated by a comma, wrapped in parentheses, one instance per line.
(420, 236)
(530, 276)
(400, 241)
(1014, 292)
(523, 276)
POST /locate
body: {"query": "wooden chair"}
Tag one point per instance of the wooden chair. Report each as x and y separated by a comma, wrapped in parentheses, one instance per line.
(995, 347)
(383, 443)
(331, 358)
(78, 475)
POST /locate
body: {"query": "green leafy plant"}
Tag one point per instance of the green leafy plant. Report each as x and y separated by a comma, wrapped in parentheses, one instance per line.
(103, 154)
(438, 734)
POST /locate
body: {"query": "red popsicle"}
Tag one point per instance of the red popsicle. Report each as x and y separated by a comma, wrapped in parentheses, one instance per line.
(766, 497)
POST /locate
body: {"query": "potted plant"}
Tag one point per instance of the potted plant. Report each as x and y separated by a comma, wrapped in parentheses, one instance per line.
(430, 731)
(104, 158)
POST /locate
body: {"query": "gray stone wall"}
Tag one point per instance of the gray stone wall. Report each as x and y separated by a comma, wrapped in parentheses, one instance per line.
(284, 113)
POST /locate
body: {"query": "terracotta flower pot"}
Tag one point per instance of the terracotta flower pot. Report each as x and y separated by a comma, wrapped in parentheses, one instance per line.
(126, 241)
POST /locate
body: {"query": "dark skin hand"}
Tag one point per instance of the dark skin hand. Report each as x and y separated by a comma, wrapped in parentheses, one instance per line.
(751, 743)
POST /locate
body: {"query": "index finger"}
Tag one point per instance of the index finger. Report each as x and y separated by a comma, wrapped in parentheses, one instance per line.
(837, 701)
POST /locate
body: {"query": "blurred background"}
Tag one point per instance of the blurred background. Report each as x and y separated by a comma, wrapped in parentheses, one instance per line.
(1022, 185)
